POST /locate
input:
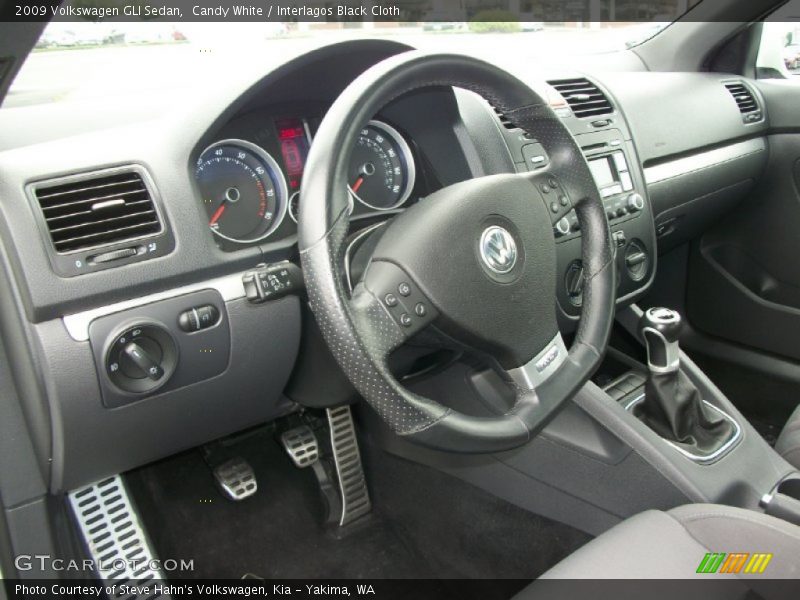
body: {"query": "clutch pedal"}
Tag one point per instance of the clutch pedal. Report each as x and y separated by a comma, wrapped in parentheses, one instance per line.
(236, 479)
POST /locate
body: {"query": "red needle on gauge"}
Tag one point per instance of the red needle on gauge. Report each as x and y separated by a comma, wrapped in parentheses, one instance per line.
(232, 195)
(218, 213)
(358, 183)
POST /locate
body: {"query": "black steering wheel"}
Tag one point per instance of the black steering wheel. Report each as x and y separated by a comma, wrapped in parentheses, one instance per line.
(475, 259)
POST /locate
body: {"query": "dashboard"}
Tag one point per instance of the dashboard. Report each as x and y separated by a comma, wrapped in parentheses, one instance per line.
(141, 320)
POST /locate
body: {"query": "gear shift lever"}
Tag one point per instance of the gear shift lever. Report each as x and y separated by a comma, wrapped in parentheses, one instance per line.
(672, 405)
(660, 328)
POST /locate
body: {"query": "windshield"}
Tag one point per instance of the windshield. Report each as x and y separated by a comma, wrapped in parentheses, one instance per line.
(79, 60)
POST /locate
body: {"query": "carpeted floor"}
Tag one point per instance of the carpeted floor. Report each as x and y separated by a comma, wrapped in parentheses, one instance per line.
(425, 525)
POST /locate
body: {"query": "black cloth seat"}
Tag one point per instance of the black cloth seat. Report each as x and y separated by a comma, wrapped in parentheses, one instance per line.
(672, 544)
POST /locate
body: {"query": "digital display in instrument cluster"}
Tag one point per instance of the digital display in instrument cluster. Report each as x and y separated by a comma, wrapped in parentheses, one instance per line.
(293, 137)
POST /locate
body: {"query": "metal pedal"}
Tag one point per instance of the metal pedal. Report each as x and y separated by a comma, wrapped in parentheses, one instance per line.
(301, 445)
(347, 458)
(236, 479)
(114, 536)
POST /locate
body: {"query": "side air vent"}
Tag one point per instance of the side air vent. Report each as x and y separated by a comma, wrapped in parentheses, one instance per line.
(748, 105)
(504, 119)
(98, 210)
(584, 98)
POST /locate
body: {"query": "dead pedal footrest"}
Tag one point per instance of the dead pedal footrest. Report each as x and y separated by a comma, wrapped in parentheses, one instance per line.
(114, 536)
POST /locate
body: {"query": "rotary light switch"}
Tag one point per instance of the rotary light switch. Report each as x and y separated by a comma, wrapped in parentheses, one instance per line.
(141, 358)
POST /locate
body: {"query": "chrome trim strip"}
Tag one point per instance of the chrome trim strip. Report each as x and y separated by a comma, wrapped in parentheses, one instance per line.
(700, 458)
(703, 160)
(230, 287)
(541, 366)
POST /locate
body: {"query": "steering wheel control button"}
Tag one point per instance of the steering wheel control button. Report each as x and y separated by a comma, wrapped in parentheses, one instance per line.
(390, 300)
(197, 318)
(563, 200)
(271, 282)
(554, 207)
(409, 308)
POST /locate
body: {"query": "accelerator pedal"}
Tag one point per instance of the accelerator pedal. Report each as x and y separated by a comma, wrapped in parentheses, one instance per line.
(349, 471)
(114, 536)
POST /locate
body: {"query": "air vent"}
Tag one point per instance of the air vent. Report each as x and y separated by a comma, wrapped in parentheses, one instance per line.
(748, 106)
(584, 98)
(504, 119)
(98, 210)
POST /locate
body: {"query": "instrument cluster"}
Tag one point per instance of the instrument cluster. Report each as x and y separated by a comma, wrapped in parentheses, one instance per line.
(250, 181)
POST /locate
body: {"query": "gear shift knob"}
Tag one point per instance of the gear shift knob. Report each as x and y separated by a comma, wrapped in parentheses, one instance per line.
(660, 329)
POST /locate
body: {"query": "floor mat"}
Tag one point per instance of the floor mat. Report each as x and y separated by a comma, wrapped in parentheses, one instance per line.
(425, 525)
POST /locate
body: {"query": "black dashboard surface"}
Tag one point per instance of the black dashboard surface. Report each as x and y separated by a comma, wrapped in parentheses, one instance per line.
(453, 135)
(168, 146)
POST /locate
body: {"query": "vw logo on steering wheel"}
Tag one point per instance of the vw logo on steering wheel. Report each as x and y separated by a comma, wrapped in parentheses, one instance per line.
(498, 249)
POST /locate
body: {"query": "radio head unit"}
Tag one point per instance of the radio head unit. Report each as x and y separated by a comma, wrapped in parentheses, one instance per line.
(611, 174)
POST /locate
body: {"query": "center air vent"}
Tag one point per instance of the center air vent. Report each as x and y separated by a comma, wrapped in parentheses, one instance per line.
(748, 105)
(98, 210)
(584, 98)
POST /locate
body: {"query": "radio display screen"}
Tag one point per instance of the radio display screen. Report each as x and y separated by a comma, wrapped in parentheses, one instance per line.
(602, 172)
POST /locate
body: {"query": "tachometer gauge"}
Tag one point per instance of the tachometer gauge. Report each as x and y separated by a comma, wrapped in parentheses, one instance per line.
(243, 190)
(381, 172)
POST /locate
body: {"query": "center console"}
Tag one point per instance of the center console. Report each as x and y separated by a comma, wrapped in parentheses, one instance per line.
(614, 166)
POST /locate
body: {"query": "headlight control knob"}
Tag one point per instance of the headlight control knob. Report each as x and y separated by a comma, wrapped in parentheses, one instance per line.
(141, 358)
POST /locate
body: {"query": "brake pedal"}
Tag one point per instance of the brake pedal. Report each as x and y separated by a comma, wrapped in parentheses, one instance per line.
(301, 445)
(236, 479)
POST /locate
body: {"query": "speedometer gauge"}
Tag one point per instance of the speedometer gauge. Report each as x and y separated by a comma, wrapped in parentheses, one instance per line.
(243, 190)
(381, 172)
